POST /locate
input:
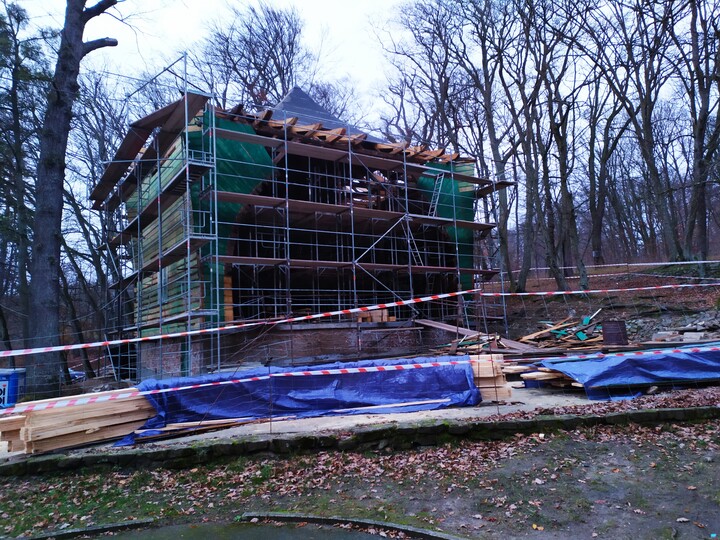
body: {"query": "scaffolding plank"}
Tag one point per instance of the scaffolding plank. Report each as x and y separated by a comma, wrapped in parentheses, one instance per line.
(496, 186)
(371, 267)
(370, 161)
(174, 124)
(171, 120)
(174, 253)
(172, 191)
(310, 207)
(268, 261)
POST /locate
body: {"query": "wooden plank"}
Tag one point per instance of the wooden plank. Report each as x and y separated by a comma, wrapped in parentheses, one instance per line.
(486, 365)
(10, 432)
(81, 425)
(11, 423)
(486, 369)
(541, 375)
(393, 405)
(228, 299)
(216, 422)
(88, 411)
(77, 396)
(517, 346)
(490, 382)
(82, 439)
(496, 394)
(487, 357)
(558, 326)
(516, 369)
(13, 441)
(447, 327)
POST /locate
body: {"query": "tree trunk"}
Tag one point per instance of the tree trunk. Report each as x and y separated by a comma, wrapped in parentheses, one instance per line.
(21, 201)
(45, 370)
(5, 338)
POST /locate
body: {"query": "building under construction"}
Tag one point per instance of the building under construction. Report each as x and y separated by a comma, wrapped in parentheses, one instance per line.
(217, 218)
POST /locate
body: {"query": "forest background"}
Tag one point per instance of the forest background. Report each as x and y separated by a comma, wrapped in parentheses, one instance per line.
(604, 114)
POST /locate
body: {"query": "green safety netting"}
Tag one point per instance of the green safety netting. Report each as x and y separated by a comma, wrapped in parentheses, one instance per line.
(456, 199)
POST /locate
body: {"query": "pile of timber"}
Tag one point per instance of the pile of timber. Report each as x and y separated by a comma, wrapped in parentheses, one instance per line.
(471, 342)
(567, 334)
(550, 377)
(488, 376)
(36, 432)
(378, 315)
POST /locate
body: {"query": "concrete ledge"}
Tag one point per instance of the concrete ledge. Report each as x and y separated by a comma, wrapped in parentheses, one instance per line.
(337, 520)
(94, 530)
(398, 436)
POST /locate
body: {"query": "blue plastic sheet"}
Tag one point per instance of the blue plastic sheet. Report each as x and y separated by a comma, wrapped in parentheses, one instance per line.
(614, 376)
(312, 395)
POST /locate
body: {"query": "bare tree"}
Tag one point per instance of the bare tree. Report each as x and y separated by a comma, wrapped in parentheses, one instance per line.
(630, 50)
(488, 24)
(606, 127)
(44, 371)
(22, 64)
(697, 66)
(259, 56)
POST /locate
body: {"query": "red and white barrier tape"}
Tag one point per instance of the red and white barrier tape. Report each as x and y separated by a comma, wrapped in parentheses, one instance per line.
(604, 291)
(39, 350)
(623, 275)
(95, 344)
(629, 354)
(100, 398)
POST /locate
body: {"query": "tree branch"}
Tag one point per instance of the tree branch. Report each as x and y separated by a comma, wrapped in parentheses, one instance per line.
(101, 7)
(90, 46)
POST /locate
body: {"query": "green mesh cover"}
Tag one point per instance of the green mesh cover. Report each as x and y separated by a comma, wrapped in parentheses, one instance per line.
(239, 168)
(456, 199)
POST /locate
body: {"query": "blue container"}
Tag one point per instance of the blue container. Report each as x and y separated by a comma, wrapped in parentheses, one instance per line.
(12, 386)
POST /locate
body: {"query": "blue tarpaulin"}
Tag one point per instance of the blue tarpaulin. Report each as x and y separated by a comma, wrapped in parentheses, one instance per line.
(312, 395)
(614, 375)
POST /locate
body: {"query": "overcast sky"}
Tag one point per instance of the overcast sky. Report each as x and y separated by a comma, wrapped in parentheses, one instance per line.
(157, 31)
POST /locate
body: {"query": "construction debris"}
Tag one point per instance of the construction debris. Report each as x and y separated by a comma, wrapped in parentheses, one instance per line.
(50, 429)
(472, 342)
(568, 334)
(549, 376)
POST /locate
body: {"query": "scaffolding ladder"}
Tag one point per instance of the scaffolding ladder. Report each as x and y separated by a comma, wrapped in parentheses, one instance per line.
(432, 211)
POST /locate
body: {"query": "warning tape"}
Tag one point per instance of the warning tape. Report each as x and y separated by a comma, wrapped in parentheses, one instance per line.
(623, 275)
(100, 398)
(603, 291)
(107, 343)
(629, 265)
(629, 354)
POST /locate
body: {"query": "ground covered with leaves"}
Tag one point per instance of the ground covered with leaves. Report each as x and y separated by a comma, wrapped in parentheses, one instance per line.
(603, 482)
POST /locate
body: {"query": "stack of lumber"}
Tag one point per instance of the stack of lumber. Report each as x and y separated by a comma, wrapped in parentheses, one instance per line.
(488, 376)
(35, 432)
(378, 315)
(572, 334)
(551, 377)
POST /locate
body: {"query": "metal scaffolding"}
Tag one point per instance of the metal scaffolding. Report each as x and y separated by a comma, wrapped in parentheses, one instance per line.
(215, 217)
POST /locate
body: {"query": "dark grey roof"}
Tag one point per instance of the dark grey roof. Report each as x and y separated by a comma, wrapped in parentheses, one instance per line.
(297, 103)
